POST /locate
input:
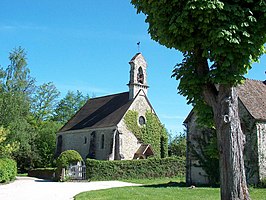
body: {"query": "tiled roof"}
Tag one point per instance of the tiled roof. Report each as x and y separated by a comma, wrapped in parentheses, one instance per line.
(100, 112)
(253, 95)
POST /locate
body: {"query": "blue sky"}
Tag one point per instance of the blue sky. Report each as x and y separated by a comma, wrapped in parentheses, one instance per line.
(86, 45)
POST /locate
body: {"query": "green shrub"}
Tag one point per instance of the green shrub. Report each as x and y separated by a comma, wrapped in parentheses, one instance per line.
(43, 173)
(135, 169)
(68, 157)
(63, 161)
(8, 170)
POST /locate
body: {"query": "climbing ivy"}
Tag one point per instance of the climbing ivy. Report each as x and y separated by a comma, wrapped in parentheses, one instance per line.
(153, 132)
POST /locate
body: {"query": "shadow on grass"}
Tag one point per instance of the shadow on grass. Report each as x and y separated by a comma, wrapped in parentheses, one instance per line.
(165, 185)
(177, 184)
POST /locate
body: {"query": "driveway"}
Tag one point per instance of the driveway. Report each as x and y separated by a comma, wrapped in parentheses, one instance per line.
(28, 188)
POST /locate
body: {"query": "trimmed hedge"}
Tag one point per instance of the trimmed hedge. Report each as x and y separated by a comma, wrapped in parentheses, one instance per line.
(64, 160)
(43, 173)
(68, 157)
(8, 170)
(135, 169)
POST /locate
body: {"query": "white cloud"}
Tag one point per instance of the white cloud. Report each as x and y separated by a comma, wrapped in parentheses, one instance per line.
(21, 27)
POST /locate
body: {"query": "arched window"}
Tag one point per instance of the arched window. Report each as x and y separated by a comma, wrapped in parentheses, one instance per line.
(140, 76)
(102, 142)
(141, 120)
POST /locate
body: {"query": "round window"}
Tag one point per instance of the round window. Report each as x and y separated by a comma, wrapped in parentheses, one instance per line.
(141, 120)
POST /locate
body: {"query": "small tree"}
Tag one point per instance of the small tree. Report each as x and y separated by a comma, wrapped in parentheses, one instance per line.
(68, 157)
(64, 160)
(177, 146)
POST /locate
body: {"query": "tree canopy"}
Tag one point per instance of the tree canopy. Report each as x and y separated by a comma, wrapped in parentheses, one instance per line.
(224, 35)
(27, 114)
(219, 40)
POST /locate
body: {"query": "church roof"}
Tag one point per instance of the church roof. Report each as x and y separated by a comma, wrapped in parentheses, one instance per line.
(100, 112)
(145, 149)
(253, 96)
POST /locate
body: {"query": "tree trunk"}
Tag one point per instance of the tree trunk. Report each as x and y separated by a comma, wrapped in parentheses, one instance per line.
(230, 138)
(231, 142)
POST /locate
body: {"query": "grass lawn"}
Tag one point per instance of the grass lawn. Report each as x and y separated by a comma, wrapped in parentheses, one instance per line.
(158, 189)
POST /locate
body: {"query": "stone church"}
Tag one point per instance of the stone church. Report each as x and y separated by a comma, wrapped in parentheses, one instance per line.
(252, 112)
(98, 129)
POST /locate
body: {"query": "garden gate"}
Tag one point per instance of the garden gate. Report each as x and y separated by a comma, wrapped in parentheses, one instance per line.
(77, 172)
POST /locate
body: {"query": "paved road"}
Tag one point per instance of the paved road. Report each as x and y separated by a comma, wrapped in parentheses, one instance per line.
(27, 188)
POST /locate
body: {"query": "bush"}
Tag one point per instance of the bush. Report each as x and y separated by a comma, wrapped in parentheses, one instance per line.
(63, 161)
(135, 169)
(68, 157)
(8, 170)
(43, 173)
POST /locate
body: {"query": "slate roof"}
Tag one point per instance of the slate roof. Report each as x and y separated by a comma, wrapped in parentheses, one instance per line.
(253, 96)
(100, 112)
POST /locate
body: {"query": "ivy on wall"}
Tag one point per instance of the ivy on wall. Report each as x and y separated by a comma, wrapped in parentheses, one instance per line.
(152, 132)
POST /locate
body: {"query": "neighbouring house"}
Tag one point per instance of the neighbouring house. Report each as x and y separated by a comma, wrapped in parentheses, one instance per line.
(252, 112)
(99, 130)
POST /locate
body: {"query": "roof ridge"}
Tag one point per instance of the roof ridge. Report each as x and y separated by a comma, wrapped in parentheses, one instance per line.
(109, 95)
(253, 80)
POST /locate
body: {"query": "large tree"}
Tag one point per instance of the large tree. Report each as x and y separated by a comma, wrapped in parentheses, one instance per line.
(219, 40)
(44, 101)
(16, 77)
(16, 86)
(69, 105)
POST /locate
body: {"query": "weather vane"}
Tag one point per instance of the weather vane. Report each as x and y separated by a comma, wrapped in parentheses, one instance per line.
(138, 46)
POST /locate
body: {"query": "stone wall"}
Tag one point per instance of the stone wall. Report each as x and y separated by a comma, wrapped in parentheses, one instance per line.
(129, 144)
(254, 151)
(261, 131)
(194, 174)
(119, 142)
(248, 125)
(81, 140)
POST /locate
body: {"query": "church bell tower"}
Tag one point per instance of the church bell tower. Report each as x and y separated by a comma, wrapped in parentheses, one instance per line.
(138, 76)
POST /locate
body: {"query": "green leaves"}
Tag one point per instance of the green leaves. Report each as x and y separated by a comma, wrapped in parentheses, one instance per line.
(44, 101)
(69, 105)
(230, 31)
(16, 76)
(68, 157)
(152, 133)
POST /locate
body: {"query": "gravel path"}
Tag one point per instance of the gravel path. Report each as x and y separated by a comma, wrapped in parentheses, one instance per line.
(28, 188)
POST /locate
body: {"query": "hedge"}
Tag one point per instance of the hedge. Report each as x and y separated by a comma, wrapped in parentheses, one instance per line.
(8, 170)
(64, 160)
(43, 173)
(135, 169)
(68, 157)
